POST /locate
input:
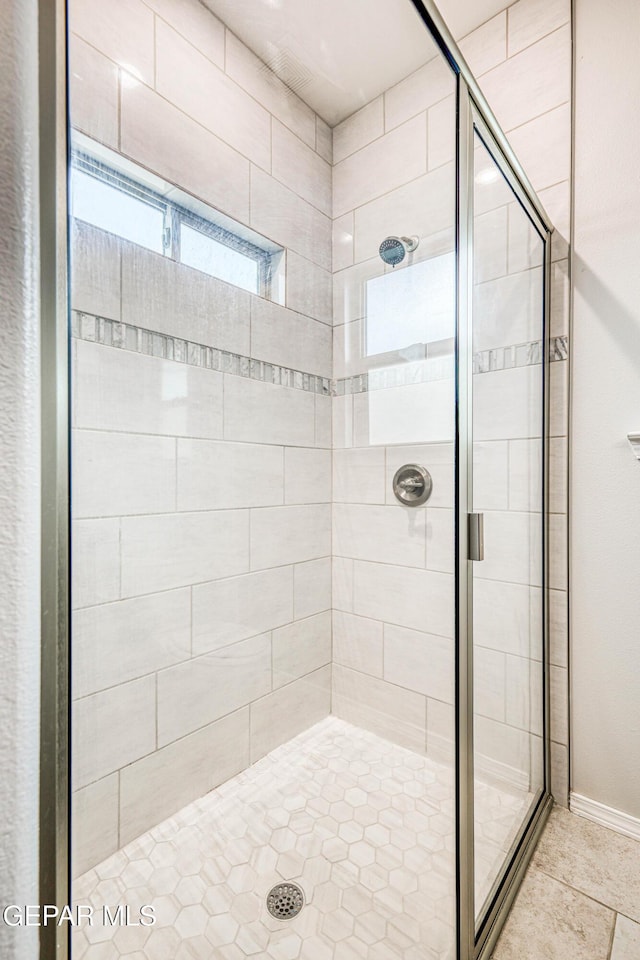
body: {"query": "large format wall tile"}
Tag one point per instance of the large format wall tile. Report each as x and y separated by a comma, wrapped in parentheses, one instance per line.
(421, 207)
(286, 218)
(237, 608)
(531, 20)
(309, 288)
(311, 587)
(383, 708)
(387, 534)
(358, 643)
(431, 83)
(113, 728)
(95, 271)
(93, 82)
(281, 336)
(300, 648)
(288, 711)
(507, 616)
(117, 390)
(95, 823)
(198, 763)
(96, 562)
(115, 474)
(486, 46)
(307, 475)
(513, 548)
(419, 661)
(521, 417)
(215, 101)
(249, 72)
(220, 475)
(161, 552)
(358, 130)
(282, 535)
(551, 165)
(265, 413)
(404, 596)
(545, 88)
(381, 166)
(117, 642)
(196, 24)
(171, 298)
(359, 475)
(301, 168)
(150, 127)
(101, 25)
(199, 691)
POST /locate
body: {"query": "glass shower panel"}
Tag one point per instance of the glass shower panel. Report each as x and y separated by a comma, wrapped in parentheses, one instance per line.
(263, 652)
(394, 330)
(508, 289)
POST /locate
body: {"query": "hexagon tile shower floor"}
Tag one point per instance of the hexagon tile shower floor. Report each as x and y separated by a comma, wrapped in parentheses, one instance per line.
(363, 827)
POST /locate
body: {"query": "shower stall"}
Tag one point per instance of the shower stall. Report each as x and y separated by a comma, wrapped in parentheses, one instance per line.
(308, 392)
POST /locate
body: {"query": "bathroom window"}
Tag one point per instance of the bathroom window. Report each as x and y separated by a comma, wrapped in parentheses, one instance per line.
(176, 226)
(411, 305)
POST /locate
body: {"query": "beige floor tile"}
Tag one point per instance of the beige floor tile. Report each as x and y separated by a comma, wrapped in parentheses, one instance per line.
(626, 941)
(594, 860)
(549, 921)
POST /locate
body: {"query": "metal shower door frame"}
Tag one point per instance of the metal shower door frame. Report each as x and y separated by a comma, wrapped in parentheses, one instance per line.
(476, 941)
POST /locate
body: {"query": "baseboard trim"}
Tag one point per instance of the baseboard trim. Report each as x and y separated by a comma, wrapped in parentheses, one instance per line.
(606, 816)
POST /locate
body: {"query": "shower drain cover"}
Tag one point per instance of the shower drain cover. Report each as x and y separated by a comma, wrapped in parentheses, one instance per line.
(285, 901)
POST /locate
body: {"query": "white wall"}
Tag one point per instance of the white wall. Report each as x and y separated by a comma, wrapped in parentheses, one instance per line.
(19, 471)
(605, 485)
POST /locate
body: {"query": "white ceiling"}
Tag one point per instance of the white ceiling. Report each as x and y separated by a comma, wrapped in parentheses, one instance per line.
(339, 54)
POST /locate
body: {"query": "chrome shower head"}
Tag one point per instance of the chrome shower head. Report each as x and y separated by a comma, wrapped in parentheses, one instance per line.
(393, 250)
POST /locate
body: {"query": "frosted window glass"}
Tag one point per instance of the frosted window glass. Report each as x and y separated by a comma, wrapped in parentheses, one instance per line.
(204, 253)
(109, 208)
(415, 304)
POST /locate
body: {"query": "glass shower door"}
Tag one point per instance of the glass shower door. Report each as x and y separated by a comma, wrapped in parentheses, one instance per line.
(507, 468)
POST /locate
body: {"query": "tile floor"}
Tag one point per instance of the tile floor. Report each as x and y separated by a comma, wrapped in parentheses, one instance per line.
(580, 899)
(366, 829)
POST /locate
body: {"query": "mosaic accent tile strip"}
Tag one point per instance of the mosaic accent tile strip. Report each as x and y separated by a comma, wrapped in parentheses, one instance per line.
(126, 336)
(441, 368)
(519, 355)
(365, 828)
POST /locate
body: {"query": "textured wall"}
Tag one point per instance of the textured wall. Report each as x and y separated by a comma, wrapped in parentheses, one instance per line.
(19, 471)
(605, 488)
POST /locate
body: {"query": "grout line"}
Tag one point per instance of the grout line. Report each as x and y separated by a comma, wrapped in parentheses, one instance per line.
(612, 938)
(155, 51)
(536, 866)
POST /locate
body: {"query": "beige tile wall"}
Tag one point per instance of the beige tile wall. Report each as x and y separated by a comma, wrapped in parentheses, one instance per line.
(393, 566)
(392, 173)
(383, 661)
(202, 527)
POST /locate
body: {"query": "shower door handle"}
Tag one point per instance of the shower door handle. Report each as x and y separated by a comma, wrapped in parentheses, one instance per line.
(476, 536)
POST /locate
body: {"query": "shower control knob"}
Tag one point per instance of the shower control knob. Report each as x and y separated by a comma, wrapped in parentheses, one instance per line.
(412, 485)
